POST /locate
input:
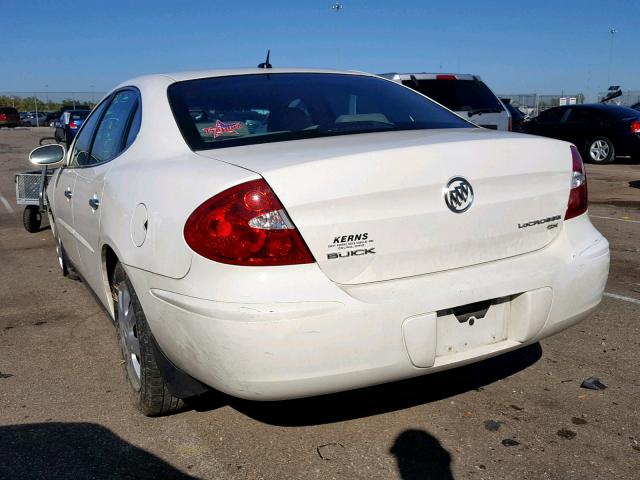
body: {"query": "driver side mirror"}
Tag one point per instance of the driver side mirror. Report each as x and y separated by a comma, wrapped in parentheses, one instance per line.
(47, 155)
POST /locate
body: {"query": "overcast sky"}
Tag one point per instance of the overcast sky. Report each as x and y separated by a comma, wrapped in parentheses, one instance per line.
(516, 46)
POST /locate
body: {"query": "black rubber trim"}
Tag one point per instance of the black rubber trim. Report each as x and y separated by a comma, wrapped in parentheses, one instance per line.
(178, 383)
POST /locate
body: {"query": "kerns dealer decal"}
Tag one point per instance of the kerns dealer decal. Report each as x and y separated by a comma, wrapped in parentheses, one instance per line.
(353, 245)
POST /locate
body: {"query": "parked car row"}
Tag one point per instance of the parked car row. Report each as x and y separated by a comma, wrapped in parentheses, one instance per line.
(10, 117)
(66, 121)
(34, 119)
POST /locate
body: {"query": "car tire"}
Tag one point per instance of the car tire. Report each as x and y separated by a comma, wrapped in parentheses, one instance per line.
(600, 150)
(149, 389)
(32, 218)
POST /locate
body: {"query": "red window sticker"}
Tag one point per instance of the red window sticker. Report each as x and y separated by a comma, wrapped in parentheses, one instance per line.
(222, 128)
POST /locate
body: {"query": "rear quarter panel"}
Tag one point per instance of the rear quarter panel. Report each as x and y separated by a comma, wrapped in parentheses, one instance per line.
(161, 173)
(170, 190)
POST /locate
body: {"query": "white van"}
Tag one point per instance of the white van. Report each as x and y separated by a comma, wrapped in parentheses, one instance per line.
(465, 94)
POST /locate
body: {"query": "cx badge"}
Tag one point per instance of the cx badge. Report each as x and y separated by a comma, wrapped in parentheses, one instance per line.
(458, 195)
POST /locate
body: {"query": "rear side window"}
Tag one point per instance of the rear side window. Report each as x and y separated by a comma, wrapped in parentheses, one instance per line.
(247, 109)
(110, 136)
(553, 115)
(458, 95)
(582, 115)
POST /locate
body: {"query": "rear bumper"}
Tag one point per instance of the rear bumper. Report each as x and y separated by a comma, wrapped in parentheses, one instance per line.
(291, 332)
(628, 145)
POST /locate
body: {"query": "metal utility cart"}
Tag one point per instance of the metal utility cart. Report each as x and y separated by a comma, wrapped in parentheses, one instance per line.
(30, 191)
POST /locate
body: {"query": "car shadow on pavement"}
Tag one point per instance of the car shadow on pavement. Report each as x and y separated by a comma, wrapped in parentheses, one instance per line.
(381, 398)
(627, 160)
(74, 451)
(419, 455)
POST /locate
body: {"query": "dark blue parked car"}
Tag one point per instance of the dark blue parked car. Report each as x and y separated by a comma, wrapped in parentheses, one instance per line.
(68, 125)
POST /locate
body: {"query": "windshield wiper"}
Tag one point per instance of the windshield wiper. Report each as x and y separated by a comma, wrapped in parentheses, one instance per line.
(479, 111)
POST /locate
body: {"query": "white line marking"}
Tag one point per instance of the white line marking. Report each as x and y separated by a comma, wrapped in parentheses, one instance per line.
(6, 203)
(618, 219)
(620, 297)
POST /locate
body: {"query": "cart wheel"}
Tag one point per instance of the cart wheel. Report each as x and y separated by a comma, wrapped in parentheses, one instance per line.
(48, 140)
(31, 218)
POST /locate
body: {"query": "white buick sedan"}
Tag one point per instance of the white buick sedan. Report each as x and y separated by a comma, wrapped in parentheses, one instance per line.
(283, 233)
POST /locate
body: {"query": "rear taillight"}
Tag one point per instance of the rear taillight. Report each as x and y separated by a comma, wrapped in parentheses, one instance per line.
(510, 124)
(635, 127)
(3, 117)
(446, 77)
(578, 195)
(246, 225)
(73, 125)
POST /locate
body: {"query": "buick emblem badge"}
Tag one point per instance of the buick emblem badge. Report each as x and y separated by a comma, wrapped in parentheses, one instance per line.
(458, 195)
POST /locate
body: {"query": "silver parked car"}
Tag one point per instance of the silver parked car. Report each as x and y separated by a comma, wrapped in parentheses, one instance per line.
(465, 94)
(35, 120)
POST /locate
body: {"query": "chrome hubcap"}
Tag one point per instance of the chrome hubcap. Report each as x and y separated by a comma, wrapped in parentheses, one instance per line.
(128, 334)
(599, 150)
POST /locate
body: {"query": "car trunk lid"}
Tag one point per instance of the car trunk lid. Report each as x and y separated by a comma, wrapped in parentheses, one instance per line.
(371, 207)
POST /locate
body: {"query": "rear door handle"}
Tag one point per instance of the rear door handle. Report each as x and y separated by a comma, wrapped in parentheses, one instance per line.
(94, 202)
(68, 193)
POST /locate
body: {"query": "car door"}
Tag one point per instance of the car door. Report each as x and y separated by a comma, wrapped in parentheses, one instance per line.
(109, 141)
(547, 124)
(65, 183)
(563, 128)
(581, 125)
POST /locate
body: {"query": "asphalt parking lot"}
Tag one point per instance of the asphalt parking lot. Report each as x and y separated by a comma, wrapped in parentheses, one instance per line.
(65, 412)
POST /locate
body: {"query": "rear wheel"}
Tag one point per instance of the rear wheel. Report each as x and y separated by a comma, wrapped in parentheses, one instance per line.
(149, 390)
(600, 150)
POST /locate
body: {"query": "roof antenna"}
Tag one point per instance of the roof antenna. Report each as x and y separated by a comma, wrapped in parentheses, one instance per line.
(266, 63)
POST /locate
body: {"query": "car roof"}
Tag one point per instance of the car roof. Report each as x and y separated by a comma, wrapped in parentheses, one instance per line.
(603, 107)
(198, 74)
(429, 76)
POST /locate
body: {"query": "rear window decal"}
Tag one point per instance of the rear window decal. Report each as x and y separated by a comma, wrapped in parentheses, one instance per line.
(223, 128)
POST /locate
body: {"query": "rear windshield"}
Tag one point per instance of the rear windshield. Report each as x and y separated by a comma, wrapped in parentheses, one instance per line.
(458, 95)
(260, 108)
(79, 115)
(8, 110)
(619, 112)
